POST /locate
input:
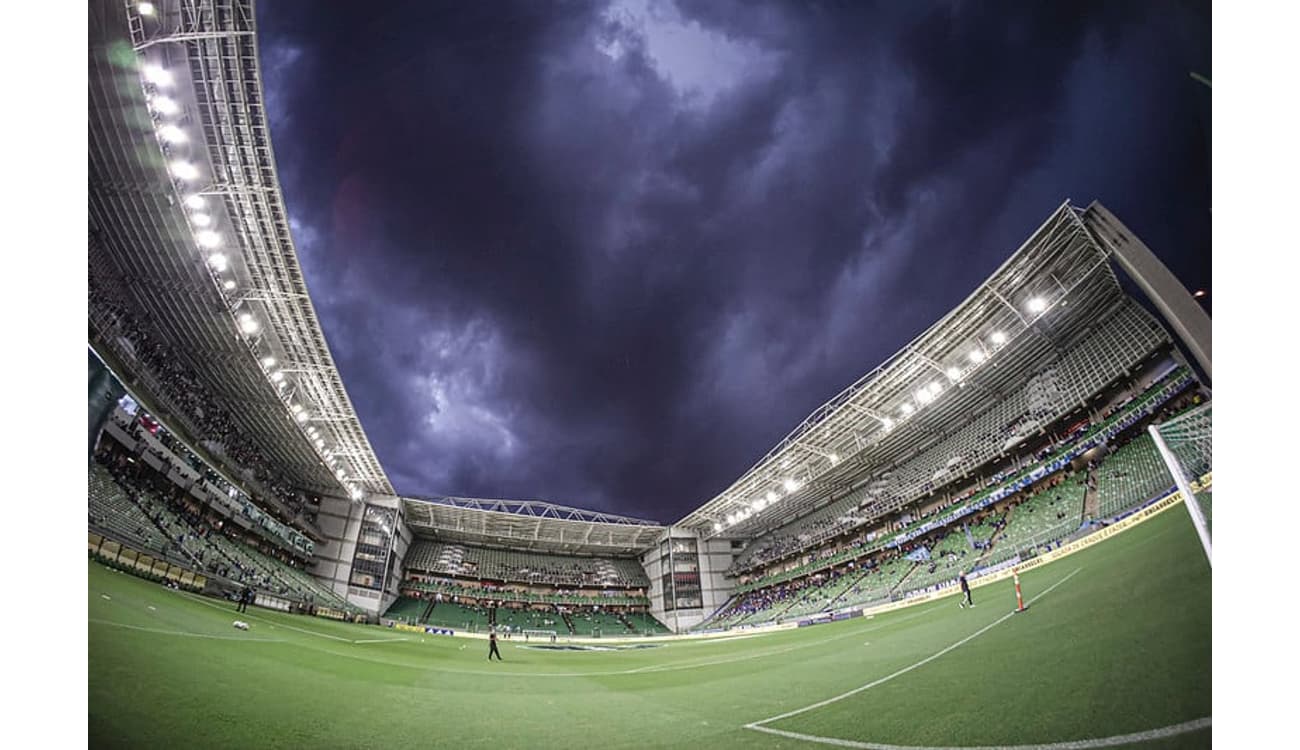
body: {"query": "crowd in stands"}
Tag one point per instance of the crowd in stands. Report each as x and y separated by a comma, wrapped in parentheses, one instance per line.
(615, 575)
(205, 415)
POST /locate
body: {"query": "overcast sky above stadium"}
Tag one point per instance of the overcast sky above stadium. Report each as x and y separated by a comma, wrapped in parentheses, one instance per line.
(607, 255)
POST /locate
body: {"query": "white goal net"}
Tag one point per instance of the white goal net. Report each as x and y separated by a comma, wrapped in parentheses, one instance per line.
(1186, 445)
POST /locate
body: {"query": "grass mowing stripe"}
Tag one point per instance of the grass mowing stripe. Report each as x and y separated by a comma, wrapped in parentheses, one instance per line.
(1119, 739)
(905, 670)
(161, 631)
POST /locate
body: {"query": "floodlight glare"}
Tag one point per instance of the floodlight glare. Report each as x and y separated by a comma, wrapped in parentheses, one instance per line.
(954, 374)
(248, 325)
(201, 220)
(908, 408)
(145, 9)
(320, 443)
(295, 408)
(356, 494)
(184, 170)
(1036, 305)
(301, 416)
(217, 261)
(888, 422)
(208, 238)
(790, 485)
(772, 497)
(923, 395)
(157, 76)
(195, 201)
(935, 389)
(165, 105)
(268, 362)
(834, 459)
(277, 376)
(999, 338)
(977, 356)
(229, 284)
(172, 134)
(717, 526)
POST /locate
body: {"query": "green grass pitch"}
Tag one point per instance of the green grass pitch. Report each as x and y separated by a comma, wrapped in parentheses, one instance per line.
(1120, 645)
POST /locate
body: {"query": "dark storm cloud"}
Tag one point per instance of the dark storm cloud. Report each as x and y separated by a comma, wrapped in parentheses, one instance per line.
(609, 255)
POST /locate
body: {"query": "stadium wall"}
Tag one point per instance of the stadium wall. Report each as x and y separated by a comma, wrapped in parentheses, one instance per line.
(340, 520)
(715, 558)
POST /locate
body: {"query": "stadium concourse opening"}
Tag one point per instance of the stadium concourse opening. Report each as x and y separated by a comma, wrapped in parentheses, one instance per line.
(1046, 443)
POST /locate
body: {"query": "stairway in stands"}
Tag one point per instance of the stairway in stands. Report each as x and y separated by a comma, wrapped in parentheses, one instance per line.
(428, 611)
(568, 622)
(626, 622)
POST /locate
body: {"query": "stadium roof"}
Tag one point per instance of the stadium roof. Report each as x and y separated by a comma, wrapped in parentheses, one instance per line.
(1048, 293)
(187, 221)
(529, 524)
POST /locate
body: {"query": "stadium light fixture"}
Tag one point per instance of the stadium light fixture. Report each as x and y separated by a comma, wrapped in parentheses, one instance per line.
(248, 324)
(165, 105)
(157, 75)
(717, 527)
(277, 376)
(195, 201)
(888, 422)
(301, 417)
(145, 9)
(172, 134)
(295, 408)
(1036, 305)
(791, 484)
(356, 494)
(999, 338)
(923, 395)
(935, 389)
(320, 443)
(908, 408)
(218, 262)
(208, 238)
(184, 170)
(772, 497)
(954, 374)
(977, 356)
(228, 284)
(835, 458)
(268, 362)
(201, 220)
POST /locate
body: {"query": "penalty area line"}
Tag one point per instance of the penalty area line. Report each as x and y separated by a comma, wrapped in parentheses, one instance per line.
(182, 633)
(757, 725)
(1172, 730)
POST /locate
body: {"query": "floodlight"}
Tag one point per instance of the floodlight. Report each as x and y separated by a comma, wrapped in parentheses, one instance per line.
(195, 201)
(184, 170)
(217, 261)
(717, 526)
(302, 416)
(247, 324)
(172, 134)
(229, 284)
(834, 458)
(156, 75)
(1036, 305)
(999, 338)
(356, 494)
(977, 356)
(888, 423)
(923, 395)
(772, 497)
(201, 220)
(908, 408)
(791, 485)
(935, 389)
(268, 362)
(954, 374)
(165, 105)
(320, 443)
(208, 238)
(295, 408)
(145, 9)
(277, 376)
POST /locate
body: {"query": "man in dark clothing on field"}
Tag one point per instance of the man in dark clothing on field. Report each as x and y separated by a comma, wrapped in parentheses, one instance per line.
(492, 646)
(245, 597)
(965, 589)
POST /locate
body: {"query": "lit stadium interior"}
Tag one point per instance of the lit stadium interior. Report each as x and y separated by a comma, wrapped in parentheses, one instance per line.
(1027, 480)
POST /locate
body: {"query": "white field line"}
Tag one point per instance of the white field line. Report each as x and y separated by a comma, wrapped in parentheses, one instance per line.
(380, 640)
(182, 633)
(1119, 739)
(203, 601)
(909, 668)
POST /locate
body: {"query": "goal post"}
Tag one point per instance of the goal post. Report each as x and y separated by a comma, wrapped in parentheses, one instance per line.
(545, 636)
(1185, 444)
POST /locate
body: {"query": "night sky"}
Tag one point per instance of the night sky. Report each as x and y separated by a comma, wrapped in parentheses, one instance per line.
(609, 255)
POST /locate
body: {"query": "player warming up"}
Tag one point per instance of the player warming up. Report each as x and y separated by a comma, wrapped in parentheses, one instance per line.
(492, 646)
(965, 590)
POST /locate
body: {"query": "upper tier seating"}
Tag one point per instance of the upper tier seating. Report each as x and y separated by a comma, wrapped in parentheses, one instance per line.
(524, 567)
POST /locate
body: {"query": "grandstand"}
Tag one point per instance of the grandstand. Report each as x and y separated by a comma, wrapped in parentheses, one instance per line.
(1010, 430)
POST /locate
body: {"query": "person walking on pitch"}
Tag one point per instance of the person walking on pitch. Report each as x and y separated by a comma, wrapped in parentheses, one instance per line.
(965, 590)
(492, 646)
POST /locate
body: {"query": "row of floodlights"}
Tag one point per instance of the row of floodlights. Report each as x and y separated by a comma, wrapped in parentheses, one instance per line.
(208, 239)
(923, 395)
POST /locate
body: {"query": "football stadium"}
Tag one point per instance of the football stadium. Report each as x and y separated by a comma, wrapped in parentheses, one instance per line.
(999, 536)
